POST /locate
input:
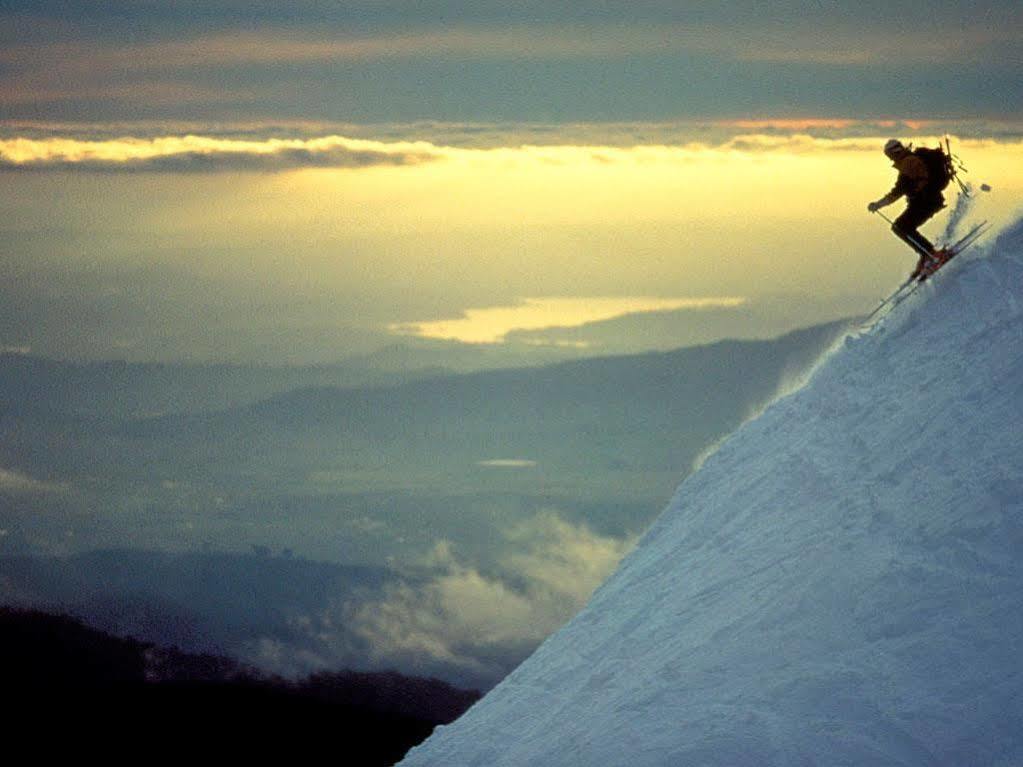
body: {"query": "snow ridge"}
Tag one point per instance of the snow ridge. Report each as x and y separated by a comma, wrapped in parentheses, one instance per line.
(839, 584)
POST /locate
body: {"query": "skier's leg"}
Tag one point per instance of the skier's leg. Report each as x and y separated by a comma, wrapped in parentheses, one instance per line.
(906, 226)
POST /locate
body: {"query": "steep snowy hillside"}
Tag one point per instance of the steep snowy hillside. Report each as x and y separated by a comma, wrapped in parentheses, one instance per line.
(840, 584)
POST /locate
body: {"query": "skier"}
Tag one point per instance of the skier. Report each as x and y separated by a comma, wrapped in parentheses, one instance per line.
(921, 182)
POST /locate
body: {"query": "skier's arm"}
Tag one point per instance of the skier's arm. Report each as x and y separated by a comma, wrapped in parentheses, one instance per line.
(913, 178)
(902, 186)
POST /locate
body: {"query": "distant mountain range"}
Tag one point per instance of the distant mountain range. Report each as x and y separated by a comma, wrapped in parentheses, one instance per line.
(652, 412)
(117, 389)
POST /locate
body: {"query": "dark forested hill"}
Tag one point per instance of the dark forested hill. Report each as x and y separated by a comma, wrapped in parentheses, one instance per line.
(103, 694)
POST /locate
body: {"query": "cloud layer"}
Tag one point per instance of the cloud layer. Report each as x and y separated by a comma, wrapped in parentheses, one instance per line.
(453, 60)
(30, 147)
(463, 622)
(204, 154)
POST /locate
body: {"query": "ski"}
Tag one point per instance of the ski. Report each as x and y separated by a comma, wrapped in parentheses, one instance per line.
(970, 236)
(913, 283)
(956, 248)
(888, 301)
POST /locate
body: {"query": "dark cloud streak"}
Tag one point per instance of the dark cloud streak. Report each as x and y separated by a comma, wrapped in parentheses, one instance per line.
(119, 16)
(454, 60)
(223, 162)
(202, 154)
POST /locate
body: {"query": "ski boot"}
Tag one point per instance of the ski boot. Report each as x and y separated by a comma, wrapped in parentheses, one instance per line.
(925, 267)
(935, 262)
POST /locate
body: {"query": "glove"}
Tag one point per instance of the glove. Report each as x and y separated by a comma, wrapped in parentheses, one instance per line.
(873, 207)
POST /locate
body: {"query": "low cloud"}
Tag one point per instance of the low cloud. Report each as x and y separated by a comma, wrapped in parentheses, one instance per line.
(464, 617)
(465, 623)
(206, 154)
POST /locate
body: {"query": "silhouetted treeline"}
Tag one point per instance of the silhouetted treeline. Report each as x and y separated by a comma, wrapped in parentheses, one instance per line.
(81, 684)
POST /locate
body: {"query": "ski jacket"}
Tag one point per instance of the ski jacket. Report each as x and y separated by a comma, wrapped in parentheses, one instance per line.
(913, 178)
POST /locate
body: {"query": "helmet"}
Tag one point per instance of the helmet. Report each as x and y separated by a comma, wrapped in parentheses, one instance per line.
(893, 146)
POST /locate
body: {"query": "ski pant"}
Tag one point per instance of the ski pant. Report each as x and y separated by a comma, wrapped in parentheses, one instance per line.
(916, 213)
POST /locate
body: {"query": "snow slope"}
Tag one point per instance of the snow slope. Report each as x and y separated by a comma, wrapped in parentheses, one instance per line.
(840, 584)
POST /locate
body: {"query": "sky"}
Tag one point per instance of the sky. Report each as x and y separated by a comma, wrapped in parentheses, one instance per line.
(301, 182)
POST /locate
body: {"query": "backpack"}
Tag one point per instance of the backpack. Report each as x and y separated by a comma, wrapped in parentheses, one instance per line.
(940, 171)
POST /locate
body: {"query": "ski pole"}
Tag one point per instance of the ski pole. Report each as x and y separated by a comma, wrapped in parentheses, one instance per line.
(916, 244)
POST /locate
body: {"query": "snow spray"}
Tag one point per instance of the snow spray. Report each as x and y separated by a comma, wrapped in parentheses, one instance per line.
(963, 205)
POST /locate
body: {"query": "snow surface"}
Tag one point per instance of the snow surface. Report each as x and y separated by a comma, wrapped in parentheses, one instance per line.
(839, 584)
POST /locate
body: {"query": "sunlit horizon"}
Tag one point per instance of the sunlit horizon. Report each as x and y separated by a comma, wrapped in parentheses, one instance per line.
(257, 246)
(491, 325)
